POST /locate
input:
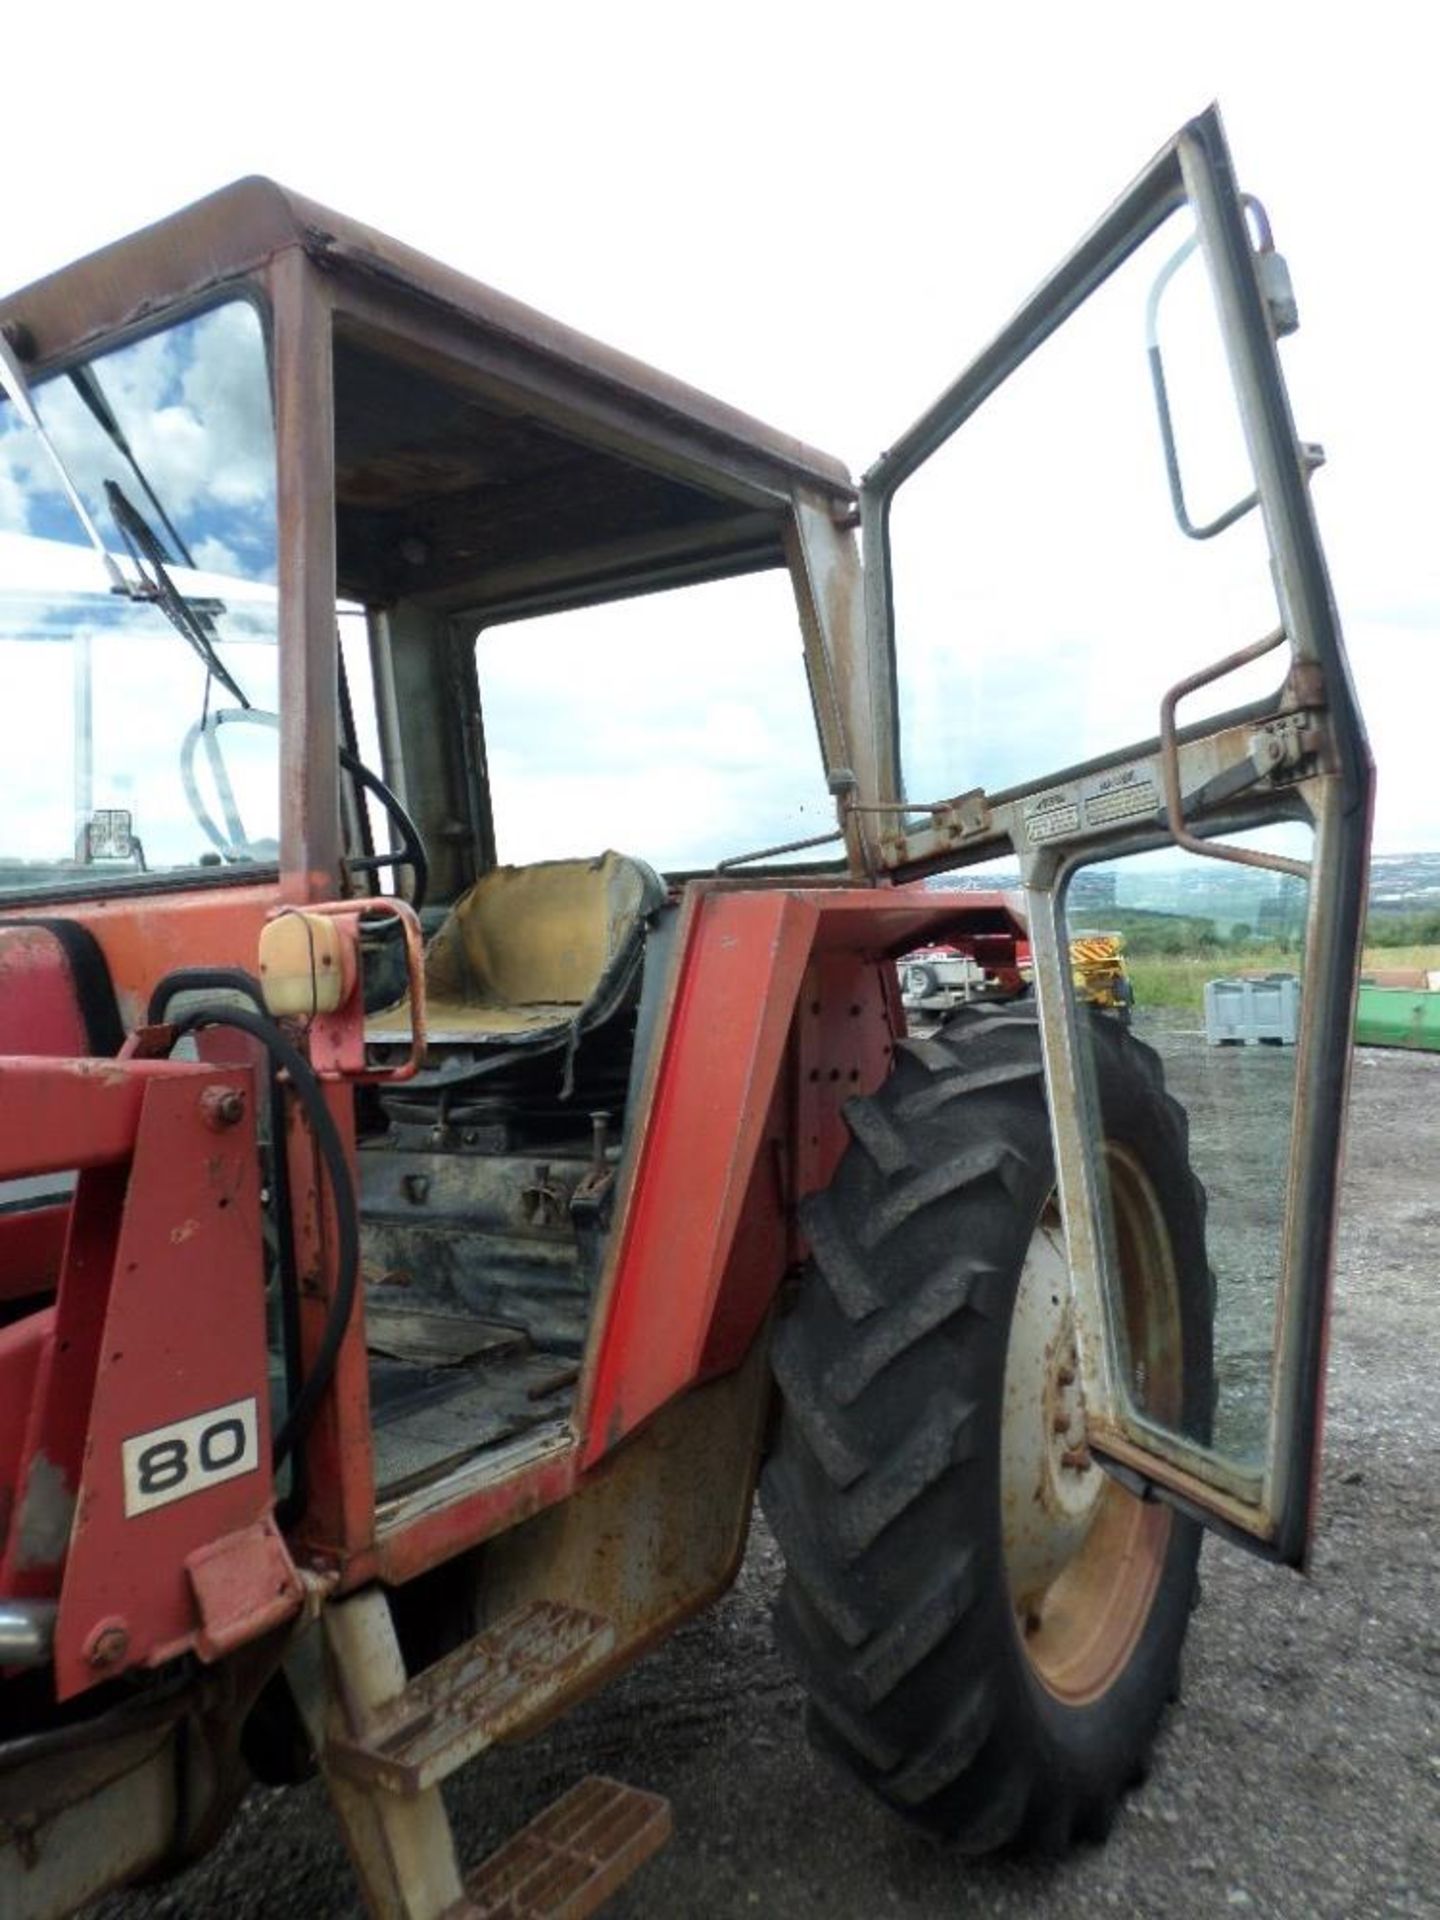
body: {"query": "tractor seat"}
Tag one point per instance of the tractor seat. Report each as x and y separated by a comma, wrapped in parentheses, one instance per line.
(533, 956)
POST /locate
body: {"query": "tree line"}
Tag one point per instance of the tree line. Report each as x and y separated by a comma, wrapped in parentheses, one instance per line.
(1419, 929)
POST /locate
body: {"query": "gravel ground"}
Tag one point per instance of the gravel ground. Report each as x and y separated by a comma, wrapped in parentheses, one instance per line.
(1300, 1775)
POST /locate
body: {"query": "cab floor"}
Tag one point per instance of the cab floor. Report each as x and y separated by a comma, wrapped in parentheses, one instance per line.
(445, 1387)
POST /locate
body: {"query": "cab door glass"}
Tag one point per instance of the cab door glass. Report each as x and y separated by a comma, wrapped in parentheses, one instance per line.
(1214, 968)
(1044, 597)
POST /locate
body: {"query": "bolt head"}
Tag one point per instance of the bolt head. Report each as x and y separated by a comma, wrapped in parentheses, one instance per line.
(107, 1644)
(222, 1107)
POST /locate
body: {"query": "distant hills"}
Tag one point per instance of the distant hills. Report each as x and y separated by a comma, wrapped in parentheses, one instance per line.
(1403, 882)
(1404, 906)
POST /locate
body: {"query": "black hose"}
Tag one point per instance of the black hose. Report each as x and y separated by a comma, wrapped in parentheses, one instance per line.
(342, 1192)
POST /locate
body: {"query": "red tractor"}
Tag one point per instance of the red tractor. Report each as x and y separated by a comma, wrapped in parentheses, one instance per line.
(422, 1228)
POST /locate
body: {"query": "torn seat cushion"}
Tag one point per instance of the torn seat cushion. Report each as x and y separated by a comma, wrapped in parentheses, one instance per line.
(530, 953)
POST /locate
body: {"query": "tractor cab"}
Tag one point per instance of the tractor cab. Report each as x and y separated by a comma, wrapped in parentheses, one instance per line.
(452, 474)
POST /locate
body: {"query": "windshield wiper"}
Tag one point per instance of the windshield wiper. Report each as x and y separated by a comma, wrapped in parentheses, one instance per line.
(87, 384)
(189, 621)
(148, 555)
(12, 378)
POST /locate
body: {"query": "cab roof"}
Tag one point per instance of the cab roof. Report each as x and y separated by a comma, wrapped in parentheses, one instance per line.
(230, 234)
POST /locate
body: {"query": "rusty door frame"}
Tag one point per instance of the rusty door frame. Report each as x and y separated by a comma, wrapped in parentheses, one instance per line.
(1211, 776)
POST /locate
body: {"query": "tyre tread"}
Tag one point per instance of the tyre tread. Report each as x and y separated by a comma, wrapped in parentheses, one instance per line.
(883, 1411)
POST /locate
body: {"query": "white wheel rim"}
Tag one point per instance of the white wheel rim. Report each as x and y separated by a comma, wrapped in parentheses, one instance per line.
(1049, 1487)
(1083, 1557)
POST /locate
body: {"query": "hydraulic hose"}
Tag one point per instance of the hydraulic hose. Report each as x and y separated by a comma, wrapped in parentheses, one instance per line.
(284, 1054)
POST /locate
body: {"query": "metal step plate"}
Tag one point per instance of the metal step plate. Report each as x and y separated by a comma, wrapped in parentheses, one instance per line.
(571, 1857)
(489, 1688)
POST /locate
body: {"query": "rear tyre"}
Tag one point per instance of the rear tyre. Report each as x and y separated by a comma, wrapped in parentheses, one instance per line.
(989, 1631)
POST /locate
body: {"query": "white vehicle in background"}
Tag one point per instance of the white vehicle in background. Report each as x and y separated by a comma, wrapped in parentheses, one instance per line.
(939, 977)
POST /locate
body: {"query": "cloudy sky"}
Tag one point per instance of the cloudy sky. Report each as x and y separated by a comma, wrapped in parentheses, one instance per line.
(821, 212)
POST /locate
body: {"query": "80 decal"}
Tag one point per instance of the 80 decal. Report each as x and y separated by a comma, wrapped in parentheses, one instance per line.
(189, 1456)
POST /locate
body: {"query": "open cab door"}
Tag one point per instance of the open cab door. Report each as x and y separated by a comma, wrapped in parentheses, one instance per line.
(1116, 661)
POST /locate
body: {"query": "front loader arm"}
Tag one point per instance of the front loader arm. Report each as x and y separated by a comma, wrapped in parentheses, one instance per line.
(140, 1473)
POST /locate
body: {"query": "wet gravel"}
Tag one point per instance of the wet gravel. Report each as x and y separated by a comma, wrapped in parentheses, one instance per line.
(1240, 1104)
(1299, 1776)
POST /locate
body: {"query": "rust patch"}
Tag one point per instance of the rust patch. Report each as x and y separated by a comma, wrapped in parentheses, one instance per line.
(105, 1071)
(45, 1516)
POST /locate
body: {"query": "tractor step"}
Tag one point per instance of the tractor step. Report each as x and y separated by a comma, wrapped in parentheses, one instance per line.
(493, 1686)
(571, 1857)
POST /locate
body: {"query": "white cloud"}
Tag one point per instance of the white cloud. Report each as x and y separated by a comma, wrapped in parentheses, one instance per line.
(14, 514)
(193, 403)
(213, 556)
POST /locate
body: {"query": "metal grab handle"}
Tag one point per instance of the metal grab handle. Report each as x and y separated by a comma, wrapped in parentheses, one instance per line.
(1170, 765)
(1162, 407)
(1279, 299)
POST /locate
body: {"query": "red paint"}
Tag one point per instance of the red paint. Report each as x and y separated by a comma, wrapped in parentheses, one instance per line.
(145, 938)
(696, 1256)
(740, 974)
(23, 1347)
(64, 1114)
(39, 1008)
(478, 1514)
(339, 1519)
(183, 1331)
(244, 1585)
(32, 1245)
(65, 1380)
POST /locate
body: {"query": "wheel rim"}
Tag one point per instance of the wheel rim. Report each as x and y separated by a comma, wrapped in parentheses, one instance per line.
(1082, 1556)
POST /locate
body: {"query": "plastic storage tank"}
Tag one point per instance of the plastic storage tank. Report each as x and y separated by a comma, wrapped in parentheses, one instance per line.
(1253, 1010)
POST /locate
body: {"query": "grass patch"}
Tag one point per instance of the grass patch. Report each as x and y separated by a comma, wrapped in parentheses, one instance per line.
(1178, 979)
(1380, 957)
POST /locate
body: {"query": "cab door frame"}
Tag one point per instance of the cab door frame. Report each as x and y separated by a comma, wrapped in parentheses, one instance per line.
(1185, 787)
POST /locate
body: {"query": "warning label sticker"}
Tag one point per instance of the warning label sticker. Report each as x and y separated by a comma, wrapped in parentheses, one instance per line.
(1048, 816)
(1124, 793)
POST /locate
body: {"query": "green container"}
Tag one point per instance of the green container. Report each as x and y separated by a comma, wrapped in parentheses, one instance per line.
(1398, 1017)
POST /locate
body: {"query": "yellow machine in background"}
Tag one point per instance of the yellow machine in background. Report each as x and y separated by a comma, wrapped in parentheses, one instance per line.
(1097, 965)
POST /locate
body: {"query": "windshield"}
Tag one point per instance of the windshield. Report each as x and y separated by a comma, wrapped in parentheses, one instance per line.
(108, 731)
